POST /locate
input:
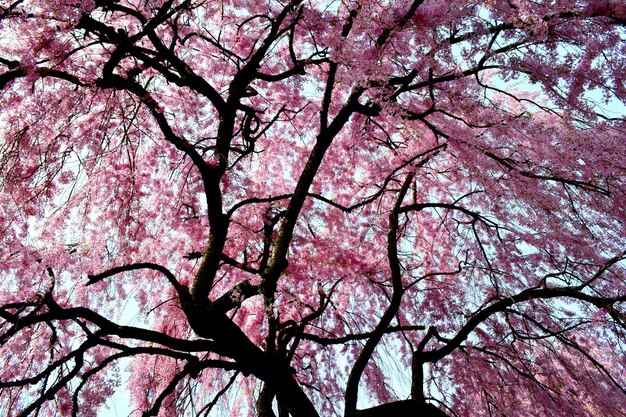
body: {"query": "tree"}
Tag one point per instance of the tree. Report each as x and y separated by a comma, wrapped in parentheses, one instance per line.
(366, 208)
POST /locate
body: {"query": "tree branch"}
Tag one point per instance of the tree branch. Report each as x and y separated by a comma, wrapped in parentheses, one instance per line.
(134, 267)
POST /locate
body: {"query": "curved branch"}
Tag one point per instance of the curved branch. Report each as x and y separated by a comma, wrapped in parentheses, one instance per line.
(21, 72)
(449, 206)
(278, 260)
(327, 341)
(255, 200)
(402, 408)
(426, 155)
(156, 407)
(352, 387)
(56, 312)
(511, 166)
(503, 304)
(133, 267)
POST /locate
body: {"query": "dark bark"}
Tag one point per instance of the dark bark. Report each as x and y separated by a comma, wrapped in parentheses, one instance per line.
(231, 340)
(406, 408)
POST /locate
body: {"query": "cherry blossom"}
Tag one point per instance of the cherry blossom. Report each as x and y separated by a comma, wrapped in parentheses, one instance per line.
(301, 208)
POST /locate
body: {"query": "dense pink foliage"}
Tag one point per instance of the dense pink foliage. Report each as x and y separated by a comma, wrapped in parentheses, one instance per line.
(341, 204)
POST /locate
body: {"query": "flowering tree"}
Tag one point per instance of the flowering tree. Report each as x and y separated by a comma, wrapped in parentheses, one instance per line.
(302, 208)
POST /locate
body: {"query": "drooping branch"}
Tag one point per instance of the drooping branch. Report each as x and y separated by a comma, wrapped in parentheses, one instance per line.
(503, 304)
(168, 390)
(60, 383)
(512, 166)
(570, 342)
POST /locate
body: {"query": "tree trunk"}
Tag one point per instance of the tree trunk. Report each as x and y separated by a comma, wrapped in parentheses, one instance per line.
(406, 408)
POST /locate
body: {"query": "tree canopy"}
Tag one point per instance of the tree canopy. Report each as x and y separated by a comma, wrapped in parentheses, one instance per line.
(300, 208)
